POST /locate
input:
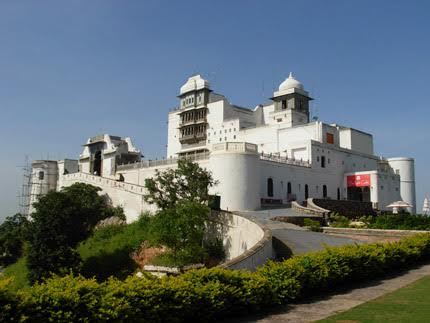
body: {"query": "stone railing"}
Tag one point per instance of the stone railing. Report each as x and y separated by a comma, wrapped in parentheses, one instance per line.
(308, 210)
(235, 147)
(161, 162)
(284, 160)
(104, 182)
(247, 244)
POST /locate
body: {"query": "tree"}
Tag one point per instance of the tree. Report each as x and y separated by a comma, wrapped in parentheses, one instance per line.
(13, 232)
(181, 229)
(62, 220)
(189, 182)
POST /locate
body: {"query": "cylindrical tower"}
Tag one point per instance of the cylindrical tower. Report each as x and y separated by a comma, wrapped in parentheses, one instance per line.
(405, 167)
(44, 177)
(236, 165)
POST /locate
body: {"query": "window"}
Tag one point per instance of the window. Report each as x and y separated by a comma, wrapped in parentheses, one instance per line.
(234, 137)
(279, 120)
(330, 138)
(324, 191)
(398, 171)
(41, 175)
(284, 104)
(338, 193)
(306, 191)
(323, 161)
(270, 187)
(289, 187)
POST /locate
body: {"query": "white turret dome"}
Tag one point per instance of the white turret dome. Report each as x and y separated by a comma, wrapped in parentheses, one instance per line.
(195, 82)
(290, 83)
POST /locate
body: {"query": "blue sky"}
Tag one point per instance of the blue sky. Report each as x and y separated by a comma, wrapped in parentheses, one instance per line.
(73, 69)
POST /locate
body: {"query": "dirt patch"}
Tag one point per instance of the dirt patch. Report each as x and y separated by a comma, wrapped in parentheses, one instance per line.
(144, 255)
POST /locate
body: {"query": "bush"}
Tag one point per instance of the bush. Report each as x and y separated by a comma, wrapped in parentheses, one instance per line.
(312, 225)
(400, 222)
(208, 294)
(9, 303)
(339, 221)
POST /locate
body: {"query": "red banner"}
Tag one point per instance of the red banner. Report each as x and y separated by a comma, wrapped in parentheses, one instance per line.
(358, 180)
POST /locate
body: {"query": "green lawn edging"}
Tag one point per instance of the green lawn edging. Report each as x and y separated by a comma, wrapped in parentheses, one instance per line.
(208, 294)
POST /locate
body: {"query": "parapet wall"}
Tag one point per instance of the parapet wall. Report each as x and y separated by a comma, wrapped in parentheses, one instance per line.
(127, 195)
(247, 244)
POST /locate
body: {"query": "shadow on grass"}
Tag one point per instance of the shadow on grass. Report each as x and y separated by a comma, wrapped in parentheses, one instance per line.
(117, 263)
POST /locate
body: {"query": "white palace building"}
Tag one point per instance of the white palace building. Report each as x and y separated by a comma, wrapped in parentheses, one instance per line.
(270, 155)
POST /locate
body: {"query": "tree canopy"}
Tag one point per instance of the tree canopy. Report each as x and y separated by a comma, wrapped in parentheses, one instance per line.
(13, 232)
(61, 220)
(187, 182)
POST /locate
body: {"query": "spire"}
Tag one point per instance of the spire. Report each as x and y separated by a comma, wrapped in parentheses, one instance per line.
(291, 75)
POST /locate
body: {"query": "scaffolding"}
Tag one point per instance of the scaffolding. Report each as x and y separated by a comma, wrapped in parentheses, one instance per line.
(34, 185)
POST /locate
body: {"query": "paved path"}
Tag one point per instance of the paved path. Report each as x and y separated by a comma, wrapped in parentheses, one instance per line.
(319, 309)
(297, 239)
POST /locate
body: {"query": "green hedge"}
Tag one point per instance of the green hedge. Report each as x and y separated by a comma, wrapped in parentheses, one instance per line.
(208, 294)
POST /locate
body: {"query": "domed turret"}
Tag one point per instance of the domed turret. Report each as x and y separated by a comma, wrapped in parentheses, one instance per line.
(291, 83)
(194, 83)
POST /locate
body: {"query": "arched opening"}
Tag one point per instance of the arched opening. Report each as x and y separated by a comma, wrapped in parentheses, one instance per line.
(323, 161)
(306, 191)
(270, 187)
(324, 191)
(338, 193)
(289, 188)
(97, 168)
(41, 175)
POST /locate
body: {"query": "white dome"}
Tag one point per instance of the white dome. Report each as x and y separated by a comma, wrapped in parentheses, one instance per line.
(290, 83)
(195, 82)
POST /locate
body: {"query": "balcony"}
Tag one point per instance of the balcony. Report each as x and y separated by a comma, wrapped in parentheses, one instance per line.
(193, 138)
(191, 122)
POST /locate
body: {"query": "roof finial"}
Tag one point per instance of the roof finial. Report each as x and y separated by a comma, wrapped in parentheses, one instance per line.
(291, 75)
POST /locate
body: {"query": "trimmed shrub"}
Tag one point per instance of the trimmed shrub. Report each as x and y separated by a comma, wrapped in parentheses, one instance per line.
(399, 222)
(208, 294)
(312, 225)
(9, 303)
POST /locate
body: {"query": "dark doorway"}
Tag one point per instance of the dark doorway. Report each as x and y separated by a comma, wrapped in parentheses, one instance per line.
(270, 187)
(97, 169)
(338, 193)
(361, 194)
(306, 191)
(324, 191)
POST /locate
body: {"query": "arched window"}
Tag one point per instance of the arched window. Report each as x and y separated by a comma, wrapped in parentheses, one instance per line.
(41, 175)
(323, 161)
(324, 191)
(289, 188)
(306, 191)
(270, 187)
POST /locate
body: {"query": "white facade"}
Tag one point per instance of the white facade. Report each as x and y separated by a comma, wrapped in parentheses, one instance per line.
(273, 153)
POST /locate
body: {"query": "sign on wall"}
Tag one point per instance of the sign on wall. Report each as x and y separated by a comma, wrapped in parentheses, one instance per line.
(358, 180)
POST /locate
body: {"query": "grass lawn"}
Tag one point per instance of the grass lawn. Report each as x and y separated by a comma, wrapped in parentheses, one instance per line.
(18, 272)
(408, 304)
(106, 253)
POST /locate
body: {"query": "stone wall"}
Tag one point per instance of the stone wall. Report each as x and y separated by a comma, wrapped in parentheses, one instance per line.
(247, 244)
